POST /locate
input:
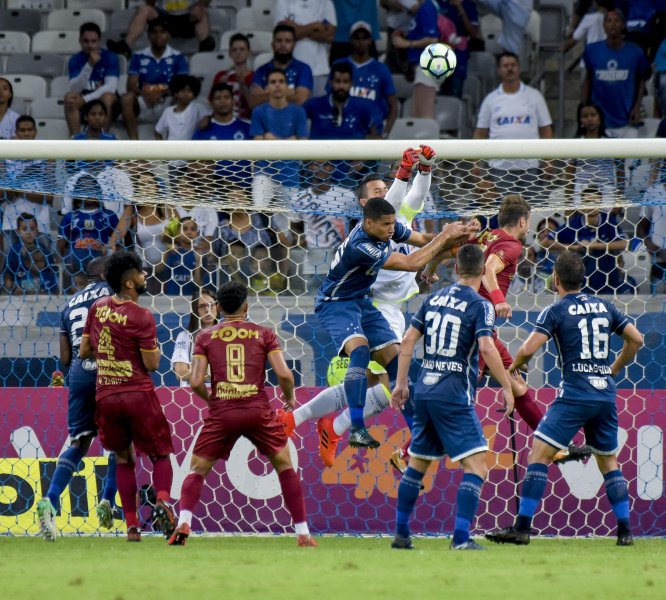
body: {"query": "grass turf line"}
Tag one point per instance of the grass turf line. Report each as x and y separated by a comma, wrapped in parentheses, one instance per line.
(341, 568)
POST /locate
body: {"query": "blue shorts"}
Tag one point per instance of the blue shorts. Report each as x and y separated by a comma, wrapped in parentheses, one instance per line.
(81, 401)
(565, 417)
(346, 319)
(445, 428)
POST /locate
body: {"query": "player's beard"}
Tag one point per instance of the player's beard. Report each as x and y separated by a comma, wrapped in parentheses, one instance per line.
(283, 57)
(140, 289)
(341, 95)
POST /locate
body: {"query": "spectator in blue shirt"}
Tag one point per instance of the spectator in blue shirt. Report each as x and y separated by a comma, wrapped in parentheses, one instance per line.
(149, 74)
(277, 119)
(616, 75)
(348, 13)
(93, 75)
(372, 79)
(338, 115)
(30, 267)
(298, 74)
(223, 125)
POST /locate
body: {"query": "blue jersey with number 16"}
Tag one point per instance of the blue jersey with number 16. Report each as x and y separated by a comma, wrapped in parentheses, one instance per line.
(581, 326)
(356, 264)
(451, 321)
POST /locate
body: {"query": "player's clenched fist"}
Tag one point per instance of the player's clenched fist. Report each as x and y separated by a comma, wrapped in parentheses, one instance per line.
(427, 156)
(410, 159)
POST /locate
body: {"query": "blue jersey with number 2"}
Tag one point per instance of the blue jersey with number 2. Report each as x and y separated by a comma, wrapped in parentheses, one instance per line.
(581, 326)
(451, 321)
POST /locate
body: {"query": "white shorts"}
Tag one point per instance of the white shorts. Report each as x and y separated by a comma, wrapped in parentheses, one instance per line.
(395, 317)
(151, 114)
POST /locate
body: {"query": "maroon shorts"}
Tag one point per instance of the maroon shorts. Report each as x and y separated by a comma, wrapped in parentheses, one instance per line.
(505, 355)
(224, 425)
(133, 417)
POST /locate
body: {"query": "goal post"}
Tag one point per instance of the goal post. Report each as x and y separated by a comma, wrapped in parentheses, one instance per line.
(280, 246)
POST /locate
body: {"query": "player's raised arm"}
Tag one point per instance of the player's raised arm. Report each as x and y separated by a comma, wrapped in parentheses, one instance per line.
(633, 342)
(400, 393)
(284, 375)
(198, 377)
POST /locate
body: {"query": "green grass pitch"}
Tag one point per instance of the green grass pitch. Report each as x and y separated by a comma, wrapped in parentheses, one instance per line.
(344, 568)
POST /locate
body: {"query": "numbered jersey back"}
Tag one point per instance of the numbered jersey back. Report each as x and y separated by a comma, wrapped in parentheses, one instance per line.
(237, 352)
(74, 315)
(581, 326)
(451, 322)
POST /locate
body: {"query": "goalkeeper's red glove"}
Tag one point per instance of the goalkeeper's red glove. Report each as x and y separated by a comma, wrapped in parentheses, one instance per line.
(427, 156)
(410, 158)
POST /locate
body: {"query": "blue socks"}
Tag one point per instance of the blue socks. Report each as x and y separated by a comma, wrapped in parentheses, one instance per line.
(616, 490)
(408, 492)
(110, 485)
(467, 502)
(356, 384)
(534, 485)
(68, 464)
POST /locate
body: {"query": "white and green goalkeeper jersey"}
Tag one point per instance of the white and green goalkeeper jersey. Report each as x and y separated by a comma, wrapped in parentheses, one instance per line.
(397, 287)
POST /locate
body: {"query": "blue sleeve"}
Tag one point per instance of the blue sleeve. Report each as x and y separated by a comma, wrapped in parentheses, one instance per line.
(259, 77)
(546, 321)
(484, 321)
(257, 126)
(418, 320)
(73, 66)
(113, 65)
(401, 233)
(181, 67)
(618, 320)
(365, 254)
(301, 122)
(134, 65)
(387, 83)
(304, 78)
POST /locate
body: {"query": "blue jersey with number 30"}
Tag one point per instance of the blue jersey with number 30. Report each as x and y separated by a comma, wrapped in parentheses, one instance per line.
(75, 313)
(356, 264)
(451, 321)
(581, 326)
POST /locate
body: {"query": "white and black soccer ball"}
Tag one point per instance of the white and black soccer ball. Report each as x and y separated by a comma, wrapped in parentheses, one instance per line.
(438, 61)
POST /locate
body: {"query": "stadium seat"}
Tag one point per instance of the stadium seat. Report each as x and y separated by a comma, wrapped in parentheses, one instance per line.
(403, 88)
(260, 41)
(45, 65)
(52, 129)
(14, 41)
(106, 5)
(42, 6)
(27, 20)
(60, 42)
(553, 24)
(73, 18)
(29, 87)
(120, 19)
(450, 114)
(262, 59)
(222, 19)
(491, 28)
(484, 66)
(59, 86)
(419, 129)
(261, 4)
(121, 34)
(50, 107)
(255, 19)
(473, 94)
(20, 105)
(205, 63)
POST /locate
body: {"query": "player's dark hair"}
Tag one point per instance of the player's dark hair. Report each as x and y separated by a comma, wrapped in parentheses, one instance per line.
(231, 297)
(180, 82)
(470, 260)
(570, 270)
(507, 54)
(88, 106)
(362, 188)
(158, 22)
(376, 208)
(119, 267)
(283, 27)
(513, 208)
(11, 90)
(195, 323)
(239, 37)
(90, 26)
(276, 70)
(95, 268)
(25, 217)
(342, 67)
(221, 87)
(25, 119)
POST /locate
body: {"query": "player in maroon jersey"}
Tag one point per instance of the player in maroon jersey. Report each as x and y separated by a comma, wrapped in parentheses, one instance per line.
(237, 351)
(121, 336)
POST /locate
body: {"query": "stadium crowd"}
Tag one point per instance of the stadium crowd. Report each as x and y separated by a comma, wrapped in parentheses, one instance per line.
(335, 70)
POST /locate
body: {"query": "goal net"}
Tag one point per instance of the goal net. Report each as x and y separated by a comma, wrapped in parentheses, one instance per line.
(270, 214)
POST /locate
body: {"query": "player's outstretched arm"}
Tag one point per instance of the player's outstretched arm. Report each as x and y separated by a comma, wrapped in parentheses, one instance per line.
(453, 233)
(198, 377)
(494, 266)
(633, 342)
(285, 377)
(400, 393)
(492, 358)
(527, 350)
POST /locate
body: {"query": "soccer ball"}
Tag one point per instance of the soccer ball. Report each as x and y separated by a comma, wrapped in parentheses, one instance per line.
(438, 61)
(337, 369)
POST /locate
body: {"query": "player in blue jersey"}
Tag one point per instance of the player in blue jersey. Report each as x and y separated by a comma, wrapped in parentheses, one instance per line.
(344, 307)
(581, 326)
(456, 323)
(80, 405)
